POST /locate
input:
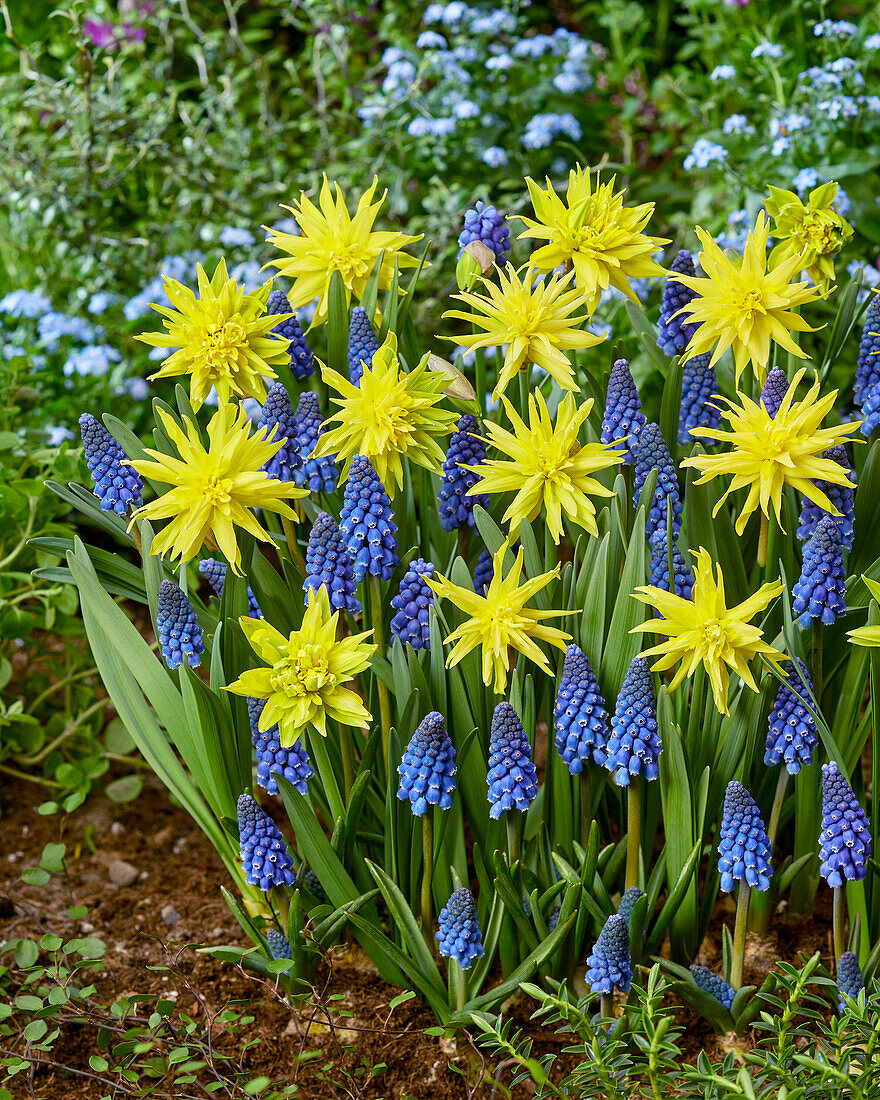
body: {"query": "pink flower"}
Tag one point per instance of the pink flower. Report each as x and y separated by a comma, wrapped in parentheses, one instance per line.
(103, 35)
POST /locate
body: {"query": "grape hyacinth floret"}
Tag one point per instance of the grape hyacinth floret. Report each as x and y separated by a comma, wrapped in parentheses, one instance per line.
(580, 714)
(272, 758)
(609, 966)
(699, 384)
(683, 579)
(328, 565)
(868, 370)
(634, 745)
(264, 854)
(412, 606)
(116, 486)
(302, 360)
(820, 590)
(841, 496)
(623, 410)
(484, 571)
(744, 849)
(845, 840)
(791, 735)
(849, 979)
(512, 778)
(775, 388)
(367, 522)
(362, 344)
(278, 420)
(465, 448)
(214, 573)
(427, 770)
(716, 987)
(179, 632)
(483, 223)
(653, 454)
(316, 474)
(628, 901)
(459, 935)
(674, 331)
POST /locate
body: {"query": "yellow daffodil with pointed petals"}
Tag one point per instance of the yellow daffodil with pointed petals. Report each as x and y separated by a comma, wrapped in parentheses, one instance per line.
(593, 231)
(222, 337)
(813, 231)
(770, 452)
(867, 635)
(305, 681)
(533, 317)
(704, 629)
(213, 490)
(744, 305)
(388, 416)
(500, 620)
(547, 466)
(330, 239)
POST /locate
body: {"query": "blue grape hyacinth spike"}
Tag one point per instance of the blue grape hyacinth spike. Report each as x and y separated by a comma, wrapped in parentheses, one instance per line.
(367, 522)
(580, 714)
(427, 770)
(634, 746)
(609, 966)
(512, 778)
(180, 636)
(118, 487)
(820, 591)
(674, 330)
(699, 409)
(214, 573)
(328, 566)
(653, 454)
(868, 370)
(318, 475)
(264, 853)
(465, 449)
(841, 496)
(845, 839)
(302, 360)
(412, 606)
(362, 344)
(792, 736)
(459, 935)
(623, 417)
(744, 848)
(716, 987)
(272, 758)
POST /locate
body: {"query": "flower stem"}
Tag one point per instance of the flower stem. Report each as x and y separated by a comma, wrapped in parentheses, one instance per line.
(776, 810)
(838, 919)
(427, 873)
(384, 699)
(513, 850)
(816, 649)
(633, 831)
(480, 377)
(762, 541)
(293, 547)
(346, 746)
(586, 807)
(459, 984)
(739, 934)
(606, 1005)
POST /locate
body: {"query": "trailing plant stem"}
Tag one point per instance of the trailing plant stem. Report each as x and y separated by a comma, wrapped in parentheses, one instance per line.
(839, 920)
(739, 934)
(633, 831)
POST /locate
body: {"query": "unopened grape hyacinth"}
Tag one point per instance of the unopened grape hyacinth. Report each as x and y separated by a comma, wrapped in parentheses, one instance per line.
(264, 853)
(459, 935)
(362, 343)
(841, 496)
(699, 388)
(328, 565)
(302, 360)
(849, 979)
(412, 606)
(214, 572)
(609, 965)
(581, 718)
(845, 839)
(484, 571)
(316, 474)
(653, 454)
(465, 449)
(743, 848)
(775, 388)
(117, 486)
(628, 901)
(791, 734)
(512, 778)
(674, 330)
(634, 745)
(180, 635)
(712, 984)
(683, 580)
(427, 770)
(272, 758)
(279, 945)
(820, 590)
(367, 522)
(623, 419)
(868, 369)
(278, 420)
(485, 224)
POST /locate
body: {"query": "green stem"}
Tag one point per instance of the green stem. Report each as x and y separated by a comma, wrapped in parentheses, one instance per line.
(459, 984)
(346, 745)
(606, 1005)
(816, 647)
(523, 386)
(464, 543)
(293, 547)
(771, 570)
(776, 811)
(739, 934)
(427, 874)
(384, 698)
(762, 541)
(633, 831)
(480, 377)
(839, 921)
(586, 808)
(513, 851)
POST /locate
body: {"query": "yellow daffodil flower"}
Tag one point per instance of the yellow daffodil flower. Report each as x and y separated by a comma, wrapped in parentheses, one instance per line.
(813, 232)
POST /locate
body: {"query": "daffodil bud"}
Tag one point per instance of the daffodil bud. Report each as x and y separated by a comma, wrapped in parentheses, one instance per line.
(475, 260)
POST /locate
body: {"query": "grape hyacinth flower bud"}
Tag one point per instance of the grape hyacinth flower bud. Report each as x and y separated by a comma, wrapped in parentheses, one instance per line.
(367, 522)
(459, 935)
(314, 887)
(868, 370)
(580, 714)
(512, 778)
(653, 454)
(278, 420)
(264, 854)
(716, 987)
(427, 770)
(272, 758)
(609, 966)
(214, 573)
(871, 410)
(465, 449)
(302, 361)
(484, 571)
(674, 331)
(791, 735)
(362, 344)
(699, 384)
(316, 474)
(744, 849)
(841, 496)
(820, 590)
(849, 979)
(483, 223)
(623, 410)
(682, 577)
(628, 901)
(412, 606)
(279, 945)
(634, 745)
(179, 632)
(328, 565)
(775, 388)
(117, 487)
(845, 840)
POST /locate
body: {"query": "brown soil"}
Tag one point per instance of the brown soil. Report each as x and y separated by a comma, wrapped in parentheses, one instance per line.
(178, 867)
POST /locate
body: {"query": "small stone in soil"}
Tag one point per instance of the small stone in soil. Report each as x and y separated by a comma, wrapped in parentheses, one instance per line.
(122, 873)
(170, 914)
(116, 828)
